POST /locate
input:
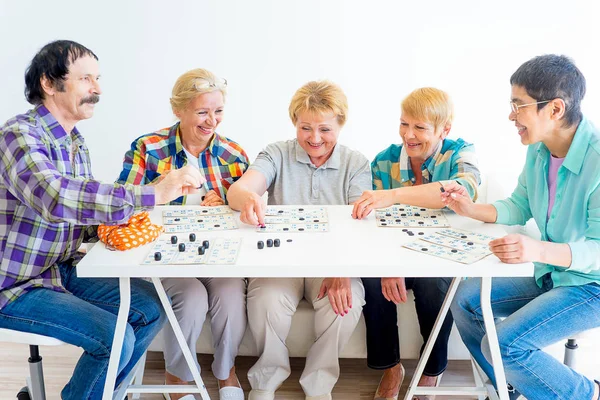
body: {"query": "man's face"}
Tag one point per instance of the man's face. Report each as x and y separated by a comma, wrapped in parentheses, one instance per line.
(78, 94)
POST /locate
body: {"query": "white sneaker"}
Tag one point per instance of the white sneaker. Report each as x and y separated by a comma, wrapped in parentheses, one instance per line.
(320, 397)
(257, 394)
(231, 392)
(167, 396)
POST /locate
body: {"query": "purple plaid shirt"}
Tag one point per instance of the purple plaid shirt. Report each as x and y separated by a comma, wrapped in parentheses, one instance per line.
(50, 203)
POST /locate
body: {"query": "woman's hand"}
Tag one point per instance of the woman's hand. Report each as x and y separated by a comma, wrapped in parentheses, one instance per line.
(339, 291)
(252, 210)
(370, 200)
(456, 197)
(394, 289)
(212, 199)
(517, 248)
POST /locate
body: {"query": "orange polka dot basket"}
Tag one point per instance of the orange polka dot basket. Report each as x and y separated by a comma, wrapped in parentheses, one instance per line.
(138, 231)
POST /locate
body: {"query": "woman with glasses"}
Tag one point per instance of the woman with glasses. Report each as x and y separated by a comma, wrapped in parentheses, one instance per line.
(313, 169)
(198, 101)
(560, 189)
(411, 173)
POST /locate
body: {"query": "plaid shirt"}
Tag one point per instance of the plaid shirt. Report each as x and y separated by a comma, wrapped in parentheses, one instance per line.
(451, 161)
(222, 163)
(49, 201)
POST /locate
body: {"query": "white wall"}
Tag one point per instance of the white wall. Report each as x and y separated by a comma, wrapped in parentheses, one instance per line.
(378, 51)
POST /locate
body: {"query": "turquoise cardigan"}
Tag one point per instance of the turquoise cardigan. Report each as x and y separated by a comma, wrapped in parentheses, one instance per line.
(575, 217)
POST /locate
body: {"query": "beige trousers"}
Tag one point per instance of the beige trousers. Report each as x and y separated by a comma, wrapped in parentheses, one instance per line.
(271, 304)
(191, 299)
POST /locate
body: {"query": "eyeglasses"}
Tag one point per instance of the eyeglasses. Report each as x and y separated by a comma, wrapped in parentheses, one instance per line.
(203, 84)
(515, 107)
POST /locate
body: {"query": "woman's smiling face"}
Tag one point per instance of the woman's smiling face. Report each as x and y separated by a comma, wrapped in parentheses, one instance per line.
(420, 138)
(317, 134)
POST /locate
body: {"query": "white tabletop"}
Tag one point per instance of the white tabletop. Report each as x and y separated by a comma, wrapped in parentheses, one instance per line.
(351, 248)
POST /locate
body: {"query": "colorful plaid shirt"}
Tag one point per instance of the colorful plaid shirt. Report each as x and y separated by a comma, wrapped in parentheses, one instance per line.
(49, 201)
(222, 163)
(453, 160)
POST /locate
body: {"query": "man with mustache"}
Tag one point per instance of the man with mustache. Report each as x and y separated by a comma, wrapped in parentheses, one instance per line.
(50, 203)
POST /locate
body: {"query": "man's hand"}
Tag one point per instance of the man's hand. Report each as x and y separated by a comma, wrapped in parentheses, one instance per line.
(212, 199)
(394, 289)
(370, 200)
(339, 291)
(178, 183)
(516, 248)
(253, 210)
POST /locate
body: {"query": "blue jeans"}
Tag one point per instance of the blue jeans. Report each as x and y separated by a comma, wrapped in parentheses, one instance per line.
(534, 318)
(87, 318)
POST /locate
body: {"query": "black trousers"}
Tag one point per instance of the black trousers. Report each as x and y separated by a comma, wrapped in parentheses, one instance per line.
(383, 344)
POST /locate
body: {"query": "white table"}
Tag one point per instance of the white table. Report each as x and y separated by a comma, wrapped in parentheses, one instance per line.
(351, 248)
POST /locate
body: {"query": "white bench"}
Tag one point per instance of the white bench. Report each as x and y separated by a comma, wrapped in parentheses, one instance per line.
(301, 336)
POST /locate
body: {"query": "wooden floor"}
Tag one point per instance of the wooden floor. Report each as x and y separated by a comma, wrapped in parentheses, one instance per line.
(357, 382)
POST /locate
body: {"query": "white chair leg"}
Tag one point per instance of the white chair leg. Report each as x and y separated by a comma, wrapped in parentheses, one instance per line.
(139, 374)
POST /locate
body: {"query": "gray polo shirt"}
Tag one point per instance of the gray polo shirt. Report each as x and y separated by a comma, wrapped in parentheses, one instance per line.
(293, 179)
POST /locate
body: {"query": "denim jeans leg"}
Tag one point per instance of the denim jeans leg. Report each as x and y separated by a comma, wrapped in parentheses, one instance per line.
(429, 297)
(146, 315)
(74, 321)
(551, 317)
(508, 295)
(383, 345)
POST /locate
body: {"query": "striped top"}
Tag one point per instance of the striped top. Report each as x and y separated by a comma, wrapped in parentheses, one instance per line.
(222, 163)
(49, 201)
(453, 160)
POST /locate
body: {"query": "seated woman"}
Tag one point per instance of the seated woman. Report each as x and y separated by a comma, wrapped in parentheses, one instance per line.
(411, 173)
(311, 169)
(560, 188)
(197, 100)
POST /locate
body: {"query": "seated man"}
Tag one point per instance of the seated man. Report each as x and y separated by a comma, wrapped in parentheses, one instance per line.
(411, 173)
(50, 204)
(311, 169)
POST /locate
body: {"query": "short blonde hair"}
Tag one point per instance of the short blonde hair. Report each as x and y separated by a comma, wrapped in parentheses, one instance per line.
(194, 83)
(319, 97)
(429, 104)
